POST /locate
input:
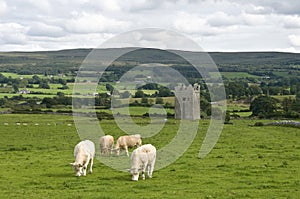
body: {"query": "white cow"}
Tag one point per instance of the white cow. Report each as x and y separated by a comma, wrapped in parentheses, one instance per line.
(84, 153)
(106, 144)
(143, 158)
(128, 141)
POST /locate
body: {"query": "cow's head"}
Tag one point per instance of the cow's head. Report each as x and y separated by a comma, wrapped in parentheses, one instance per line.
(117, 151)
(135, 174)
(78, 168)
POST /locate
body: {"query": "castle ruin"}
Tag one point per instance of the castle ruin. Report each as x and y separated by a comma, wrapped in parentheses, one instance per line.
(187, 102)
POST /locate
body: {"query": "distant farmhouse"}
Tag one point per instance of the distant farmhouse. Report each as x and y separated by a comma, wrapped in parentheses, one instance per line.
(187, 102)
(24, 91)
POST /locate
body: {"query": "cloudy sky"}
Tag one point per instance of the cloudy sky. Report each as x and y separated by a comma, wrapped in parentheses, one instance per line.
(216, 25)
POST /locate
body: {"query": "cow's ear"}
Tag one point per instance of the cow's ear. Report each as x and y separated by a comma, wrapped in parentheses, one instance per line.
(72, 164)
(128, 170)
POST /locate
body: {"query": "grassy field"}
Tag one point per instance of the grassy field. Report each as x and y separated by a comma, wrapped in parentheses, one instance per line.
(247, 162)
(231, 75)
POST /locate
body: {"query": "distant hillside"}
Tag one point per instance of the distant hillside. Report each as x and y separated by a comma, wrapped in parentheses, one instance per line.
(69, 60)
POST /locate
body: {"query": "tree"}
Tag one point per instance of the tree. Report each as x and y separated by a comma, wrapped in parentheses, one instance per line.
(254, 90)
(49, 102)
(15, 87)
(139, 94)
(235, 89)
(109, 88)
(298, 95)
(125, 94)
(164, 92)
(44, 84)
(144, 100)
(263, 106)
(159, 100)
(227, 117)
(286, 104)
(36, 79)
(150, 86)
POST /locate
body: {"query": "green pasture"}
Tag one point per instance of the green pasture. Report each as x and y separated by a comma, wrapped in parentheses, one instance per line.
(234, 75)
(17, 76)
(138, 110)
(281, 97)
(41, 96)
(246, 162)
(237, 106)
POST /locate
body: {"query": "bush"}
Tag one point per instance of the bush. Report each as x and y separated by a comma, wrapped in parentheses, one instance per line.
(259, 124)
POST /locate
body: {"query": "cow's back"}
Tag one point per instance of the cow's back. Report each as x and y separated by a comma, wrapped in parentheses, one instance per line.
(87, 146)
(106, 141)
(146, 152)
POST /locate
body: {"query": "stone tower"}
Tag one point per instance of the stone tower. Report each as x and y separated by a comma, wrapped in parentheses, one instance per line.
(187, 102)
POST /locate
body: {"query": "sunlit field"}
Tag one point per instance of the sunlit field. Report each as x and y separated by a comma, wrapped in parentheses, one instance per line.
(247, 162)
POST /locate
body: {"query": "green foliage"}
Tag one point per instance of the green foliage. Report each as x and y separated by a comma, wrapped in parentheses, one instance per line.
(125, 94)
(159, 100)
(246, 76)
(139, 94)
(164, 92)
(144, 100)
(227, 117)
(263, 106)
(109, 88)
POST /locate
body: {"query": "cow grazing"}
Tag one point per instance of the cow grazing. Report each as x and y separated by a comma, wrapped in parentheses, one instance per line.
(128, 141)
(106, 144)
(142, 159)
(84, 153)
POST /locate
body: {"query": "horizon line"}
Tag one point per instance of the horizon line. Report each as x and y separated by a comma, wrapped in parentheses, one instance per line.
(186, 50)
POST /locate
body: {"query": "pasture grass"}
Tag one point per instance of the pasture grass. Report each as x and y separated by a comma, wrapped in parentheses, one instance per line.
(247, 162)
(235, 75)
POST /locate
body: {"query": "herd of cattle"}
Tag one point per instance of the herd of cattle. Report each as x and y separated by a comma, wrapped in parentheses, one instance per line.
(142, 158)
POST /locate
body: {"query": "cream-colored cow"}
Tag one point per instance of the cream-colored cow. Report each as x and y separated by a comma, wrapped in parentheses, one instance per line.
(128, 141)
(106, 144)
(142, 159)
(84, 152)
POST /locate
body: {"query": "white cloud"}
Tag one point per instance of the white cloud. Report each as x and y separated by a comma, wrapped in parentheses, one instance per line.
(141, 5)
(43, 6)
(254, 19)
(257, 9)
(93, 23)
(3, 8)
(41, 29)
(295, 40)
(217, 25)
(190, 23)
(222, 19)
(291, 21)
(12, 33)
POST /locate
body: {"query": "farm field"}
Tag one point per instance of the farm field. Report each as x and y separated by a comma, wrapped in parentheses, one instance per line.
(247, 162)
(231, 75)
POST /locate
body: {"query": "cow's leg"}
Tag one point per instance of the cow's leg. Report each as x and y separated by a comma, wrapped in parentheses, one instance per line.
(117, 151)
(91, 166)
(126, 148)
(85, 166)
(151, 169)
(143, 170)
(111, 149)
